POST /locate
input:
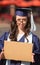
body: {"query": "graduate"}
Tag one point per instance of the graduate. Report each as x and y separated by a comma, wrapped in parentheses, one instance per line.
(20, 31)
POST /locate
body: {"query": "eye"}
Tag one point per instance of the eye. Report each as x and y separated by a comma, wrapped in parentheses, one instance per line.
(24, 19)
(18, 19)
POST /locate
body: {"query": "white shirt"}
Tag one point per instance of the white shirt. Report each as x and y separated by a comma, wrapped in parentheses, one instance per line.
(29, 37)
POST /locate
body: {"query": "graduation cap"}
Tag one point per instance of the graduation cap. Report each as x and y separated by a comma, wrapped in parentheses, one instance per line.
(23, 11)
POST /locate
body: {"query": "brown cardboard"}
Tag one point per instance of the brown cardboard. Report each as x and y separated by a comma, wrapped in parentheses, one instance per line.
(18, 51)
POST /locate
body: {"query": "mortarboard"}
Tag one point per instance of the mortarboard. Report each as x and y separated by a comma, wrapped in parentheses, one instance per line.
(22, 11)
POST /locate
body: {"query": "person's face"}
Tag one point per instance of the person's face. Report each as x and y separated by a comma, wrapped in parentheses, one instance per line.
(21, 21)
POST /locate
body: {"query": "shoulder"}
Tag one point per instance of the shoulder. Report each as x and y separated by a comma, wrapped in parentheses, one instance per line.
(4, 35)
(34, 35)
(35, 38)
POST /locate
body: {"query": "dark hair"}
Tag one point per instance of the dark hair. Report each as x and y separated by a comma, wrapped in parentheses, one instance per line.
(14, 29)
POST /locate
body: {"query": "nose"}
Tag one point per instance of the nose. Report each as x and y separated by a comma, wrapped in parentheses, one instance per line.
(21, 20)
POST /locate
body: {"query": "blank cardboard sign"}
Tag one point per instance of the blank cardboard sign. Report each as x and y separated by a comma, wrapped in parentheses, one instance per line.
(18, 51)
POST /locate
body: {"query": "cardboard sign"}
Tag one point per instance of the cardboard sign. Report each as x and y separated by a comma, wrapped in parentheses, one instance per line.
(18, 51)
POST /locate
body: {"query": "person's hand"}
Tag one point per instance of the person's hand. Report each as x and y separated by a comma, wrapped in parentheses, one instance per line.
(1, 54)
(33, 58)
